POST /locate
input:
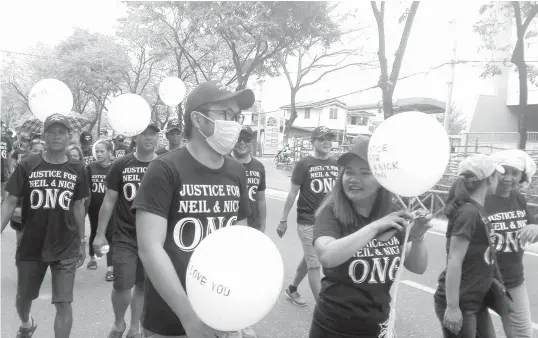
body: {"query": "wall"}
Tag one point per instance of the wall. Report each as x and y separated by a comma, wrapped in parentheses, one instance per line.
(311, 122)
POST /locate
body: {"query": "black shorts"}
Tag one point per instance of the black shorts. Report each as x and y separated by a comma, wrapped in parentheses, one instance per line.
(128, 269)
(31, 275)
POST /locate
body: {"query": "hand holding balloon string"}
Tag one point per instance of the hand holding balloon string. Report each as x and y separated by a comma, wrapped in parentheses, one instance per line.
(418, 219)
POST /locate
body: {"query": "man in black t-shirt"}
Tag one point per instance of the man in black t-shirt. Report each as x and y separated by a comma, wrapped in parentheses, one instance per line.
(52, 192)
(255, 179)
(174, 137)
(312, 178)
(21, 151)
(185, 196)
(119, 146)
(86, 142)
(123, 182)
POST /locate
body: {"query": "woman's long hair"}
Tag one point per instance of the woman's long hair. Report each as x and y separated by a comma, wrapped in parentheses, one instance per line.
(344, 210)
(77, 148)
(460, 192)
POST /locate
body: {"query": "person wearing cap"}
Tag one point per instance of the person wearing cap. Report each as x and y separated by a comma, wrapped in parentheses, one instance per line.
(255, 179)
(119, 146)
(86, 142)
(515, 226)
(169, 230)
(460, 298)
(123, 181)
(52, 190)
(174, 137)
(313, 178)
(358, 235)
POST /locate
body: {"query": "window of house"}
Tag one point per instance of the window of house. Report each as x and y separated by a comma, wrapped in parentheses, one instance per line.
(333, 113)
(307, 113)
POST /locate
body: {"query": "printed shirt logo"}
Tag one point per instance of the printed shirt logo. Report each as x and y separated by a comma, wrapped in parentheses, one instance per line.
(324, 130)
(505, 226)
(376, 263)
(322, 178)
(57, 117)
(98, 184)
(51, 189)
(253, 183)
(131, 179)
(205, 208)
(3, 148)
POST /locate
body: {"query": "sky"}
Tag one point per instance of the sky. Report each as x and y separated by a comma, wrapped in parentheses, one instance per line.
(429, 45)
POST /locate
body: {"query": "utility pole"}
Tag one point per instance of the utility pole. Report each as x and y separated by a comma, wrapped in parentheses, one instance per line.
(450, 83)
(260, 114)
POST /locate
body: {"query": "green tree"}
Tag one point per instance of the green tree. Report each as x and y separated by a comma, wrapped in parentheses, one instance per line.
(493, 17)
(387, 82)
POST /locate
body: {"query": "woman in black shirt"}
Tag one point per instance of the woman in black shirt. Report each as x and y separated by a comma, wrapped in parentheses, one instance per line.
(359, 244)
(459, 299)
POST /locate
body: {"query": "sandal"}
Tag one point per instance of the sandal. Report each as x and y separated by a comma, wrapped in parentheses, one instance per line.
(92, 265)
(27, 332)
(109, 276)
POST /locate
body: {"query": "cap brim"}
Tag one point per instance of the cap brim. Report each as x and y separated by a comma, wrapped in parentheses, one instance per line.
(173, 128)
(60, 123)
(151, 126)
(345, 158)
(500, 169)
(245, 98)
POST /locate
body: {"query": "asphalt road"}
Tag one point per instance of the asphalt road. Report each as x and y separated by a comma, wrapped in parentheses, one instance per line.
(93, 312)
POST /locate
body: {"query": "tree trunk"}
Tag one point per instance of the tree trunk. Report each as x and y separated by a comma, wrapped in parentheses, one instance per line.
(292, 118)
(387, 103)
(99, 127)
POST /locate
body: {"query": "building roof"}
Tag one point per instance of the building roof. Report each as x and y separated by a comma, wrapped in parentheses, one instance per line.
(316, 104)
(422, 104)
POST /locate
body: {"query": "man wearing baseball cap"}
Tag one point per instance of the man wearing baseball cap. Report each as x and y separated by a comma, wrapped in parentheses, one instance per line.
(174, 137)
(168, 230)
(52, 190)
(123, 181)
(313, 177)
(86, 142)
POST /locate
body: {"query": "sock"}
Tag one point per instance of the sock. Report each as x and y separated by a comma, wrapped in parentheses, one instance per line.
(109, 268)
(292, 288)
(28, 324)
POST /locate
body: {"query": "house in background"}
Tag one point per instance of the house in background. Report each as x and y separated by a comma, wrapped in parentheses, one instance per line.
(349, 121)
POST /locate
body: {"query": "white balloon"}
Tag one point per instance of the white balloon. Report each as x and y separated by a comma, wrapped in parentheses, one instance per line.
(50, 96)
(172, 91)
(234, 278)
(129, 114)
(408, 153)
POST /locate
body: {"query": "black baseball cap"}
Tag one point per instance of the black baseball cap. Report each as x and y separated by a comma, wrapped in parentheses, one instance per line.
(359, 149)
(246, 130)
(321, 131)
(56, 119)
(86, 138)
(213, 91)
(153, 125)
(120, 138)
(173, 124)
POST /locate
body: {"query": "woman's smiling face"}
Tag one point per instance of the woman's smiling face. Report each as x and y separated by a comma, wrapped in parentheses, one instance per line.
(358, 181)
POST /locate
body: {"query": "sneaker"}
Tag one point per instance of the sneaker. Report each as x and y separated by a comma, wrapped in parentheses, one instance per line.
(295, 298)
(248, 332)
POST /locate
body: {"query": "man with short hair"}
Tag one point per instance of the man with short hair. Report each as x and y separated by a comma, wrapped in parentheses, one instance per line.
(123, 181)
(255, 179)
(313, 178)
(169, 227)
(52, 190)
(173, 135)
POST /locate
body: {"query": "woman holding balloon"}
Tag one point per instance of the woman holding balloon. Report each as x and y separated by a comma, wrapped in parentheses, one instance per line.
(460, 299)
(514, 226)
(359, 240)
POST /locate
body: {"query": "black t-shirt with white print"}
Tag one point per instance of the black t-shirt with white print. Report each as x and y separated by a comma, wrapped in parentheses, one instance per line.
(196, 201)
(355, 296)
(18, 154)
(316, 178)
(97, 178)
(119, 151)
(5, 147)
(255, 172)
(48, 193)
(508, 215)
(88, 157)
(477, 269)
(125, 177)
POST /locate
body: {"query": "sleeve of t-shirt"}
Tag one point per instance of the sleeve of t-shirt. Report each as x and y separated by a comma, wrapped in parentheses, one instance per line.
(113, 178)
(17, 181)
(82, 190)
(262, 185)
(531, 219)
(9, 145)
(298, 175)
(244, 202)
(15, 155)
(465, 221)
(156, 191)
(327, 225)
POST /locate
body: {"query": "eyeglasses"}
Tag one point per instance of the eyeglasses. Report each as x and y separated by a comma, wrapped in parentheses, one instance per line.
(244, 139)
(325, 138)
(230, 115)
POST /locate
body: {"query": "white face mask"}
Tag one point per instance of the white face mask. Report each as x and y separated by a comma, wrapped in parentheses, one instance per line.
(225, 135)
